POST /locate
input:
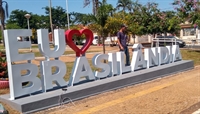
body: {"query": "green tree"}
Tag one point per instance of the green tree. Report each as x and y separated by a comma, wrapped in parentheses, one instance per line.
(12, 26)
(169, 22)
(43, 21)
(146, 17)
(17, 19)
(125, 5)
(104, 11)
(186, 9)
(80, 18)
(114, 22)
(59, 16)
(195, 19)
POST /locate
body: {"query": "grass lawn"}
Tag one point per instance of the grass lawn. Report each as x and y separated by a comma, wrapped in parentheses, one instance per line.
(186, 55)
(191, 55)
(33, 46)
(38, 54)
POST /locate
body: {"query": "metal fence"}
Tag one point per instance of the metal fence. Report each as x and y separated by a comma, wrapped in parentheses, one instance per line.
(157, 41)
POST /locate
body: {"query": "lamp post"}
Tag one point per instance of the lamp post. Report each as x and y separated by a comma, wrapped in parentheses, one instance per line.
(28, 16)
(67, 11)
(51, 23)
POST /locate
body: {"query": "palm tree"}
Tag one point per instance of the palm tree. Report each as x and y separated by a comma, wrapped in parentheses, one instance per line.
(101, 11)
(135, 6)
(124, 4)
(3, 15)
(95, 4)
(104, 11)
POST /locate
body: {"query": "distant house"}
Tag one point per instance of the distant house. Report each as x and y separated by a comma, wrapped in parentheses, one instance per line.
(188, 32)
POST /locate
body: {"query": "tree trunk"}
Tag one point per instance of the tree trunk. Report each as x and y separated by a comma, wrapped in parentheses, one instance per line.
(93, 7)
(165, 34)
(104, 49)
(133, 38)
(103, 42)
(111, 41)
(95, 4)
(154, 35)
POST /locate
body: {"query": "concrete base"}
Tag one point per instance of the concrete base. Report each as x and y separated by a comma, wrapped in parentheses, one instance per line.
(54, 98)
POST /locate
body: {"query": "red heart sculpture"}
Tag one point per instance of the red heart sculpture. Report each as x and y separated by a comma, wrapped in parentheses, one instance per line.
(89, 38)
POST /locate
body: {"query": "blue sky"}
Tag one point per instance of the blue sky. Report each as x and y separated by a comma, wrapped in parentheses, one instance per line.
(35, 6)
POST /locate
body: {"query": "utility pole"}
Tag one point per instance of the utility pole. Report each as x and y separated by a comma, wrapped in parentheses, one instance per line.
(67, 11)
(51, 24)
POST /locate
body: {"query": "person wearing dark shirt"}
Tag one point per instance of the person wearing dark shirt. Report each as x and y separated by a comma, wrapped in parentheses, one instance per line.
(122, 42)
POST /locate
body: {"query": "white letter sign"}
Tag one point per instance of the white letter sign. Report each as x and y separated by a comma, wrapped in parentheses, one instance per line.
(43, 43)
(164, 56)
(176, 53)
(121, 64)
(48, 80)
(81, 69)
(151, 56)
(12, 45)
(97, 62)
(138, 61)
(57, 77)
(16, 84)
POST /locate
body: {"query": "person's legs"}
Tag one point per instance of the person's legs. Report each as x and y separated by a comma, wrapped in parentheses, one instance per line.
(126, 51)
